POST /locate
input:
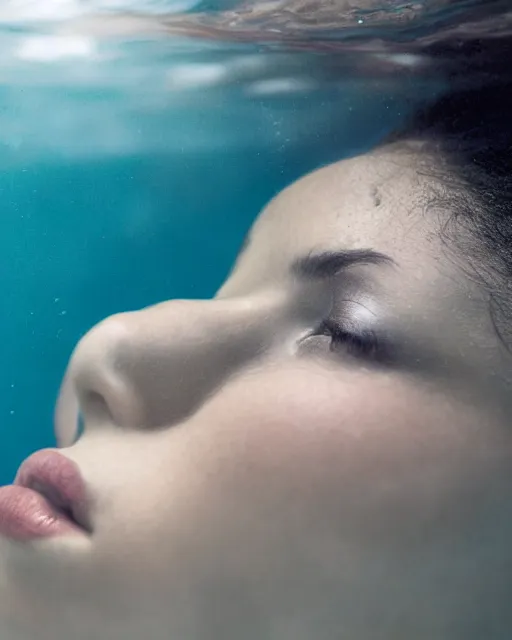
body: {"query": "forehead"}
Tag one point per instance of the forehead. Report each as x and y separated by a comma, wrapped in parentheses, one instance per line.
(369, 202)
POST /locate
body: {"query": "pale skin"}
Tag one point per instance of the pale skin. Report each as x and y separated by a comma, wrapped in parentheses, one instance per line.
(251, 479)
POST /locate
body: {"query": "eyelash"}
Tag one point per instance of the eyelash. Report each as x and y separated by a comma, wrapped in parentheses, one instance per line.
(364, 344)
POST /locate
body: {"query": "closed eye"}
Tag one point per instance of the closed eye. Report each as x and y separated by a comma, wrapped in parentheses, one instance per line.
(363, 344)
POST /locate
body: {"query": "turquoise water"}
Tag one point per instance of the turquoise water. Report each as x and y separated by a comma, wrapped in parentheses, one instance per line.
(133, 163)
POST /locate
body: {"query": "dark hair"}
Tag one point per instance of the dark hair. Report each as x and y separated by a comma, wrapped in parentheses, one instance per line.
(468, 131)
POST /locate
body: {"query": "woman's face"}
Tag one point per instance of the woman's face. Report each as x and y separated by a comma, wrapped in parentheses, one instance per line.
(321, 451)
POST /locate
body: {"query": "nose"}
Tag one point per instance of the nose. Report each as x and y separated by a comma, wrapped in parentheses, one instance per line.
(154, 367)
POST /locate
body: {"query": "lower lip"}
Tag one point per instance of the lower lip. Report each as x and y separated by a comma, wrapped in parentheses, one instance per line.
(27, 515)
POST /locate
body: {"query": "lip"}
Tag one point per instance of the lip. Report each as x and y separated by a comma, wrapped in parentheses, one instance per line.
(47, 499)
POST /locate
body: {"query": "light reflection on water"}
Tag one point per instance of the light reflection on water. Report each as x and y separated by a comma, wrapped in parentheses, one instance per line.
(144, 76)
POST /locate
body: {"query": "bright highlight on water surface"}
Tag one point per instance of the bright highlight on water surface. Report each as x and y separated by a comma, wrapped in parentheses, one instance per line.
(12, 11)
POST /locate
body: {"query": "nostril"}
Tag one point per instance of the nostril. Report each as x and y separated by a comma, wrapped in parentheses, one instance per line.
(106, 397)
(96, 407)
(81, 426)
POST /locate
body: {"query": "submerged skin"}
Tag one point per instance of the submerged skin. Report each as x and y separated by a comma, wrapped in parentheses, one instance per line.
(251, 479)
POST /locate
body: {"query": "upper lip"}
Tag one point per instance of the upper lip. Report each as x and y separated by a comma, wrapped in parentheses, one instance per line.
(58, 479)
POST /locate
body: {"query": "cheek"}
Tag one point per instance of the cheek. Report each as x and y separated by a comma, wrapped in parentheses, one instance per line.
(360, 449)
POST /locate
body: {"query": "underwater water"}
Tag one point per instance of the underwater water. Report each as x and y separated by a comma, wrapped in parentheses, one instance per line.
(140, 138)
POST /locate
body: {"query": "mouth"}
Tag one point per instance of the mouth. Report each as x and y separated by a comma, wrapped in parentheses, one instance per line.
(47, 499)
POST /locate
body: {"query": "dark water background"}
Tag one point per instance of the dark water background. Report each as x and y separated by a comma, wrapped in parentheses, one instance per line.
(140, 138)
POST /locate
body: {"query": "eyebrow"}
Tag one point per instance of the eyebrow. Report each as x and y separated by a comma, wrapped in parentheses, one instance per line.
(328, 264)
